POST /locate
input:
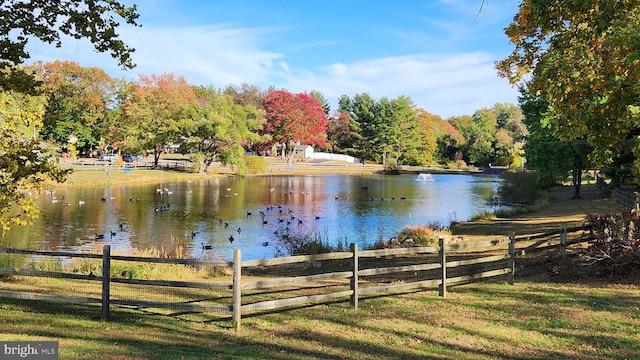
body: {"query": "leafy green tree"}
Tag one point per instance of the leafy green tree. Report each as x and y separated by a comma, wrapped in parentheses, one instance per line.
(116, 124)
(552, 158)
(583, 60)
(416, 146)
(19, 79)
(386, 131)
(429, 129)
(480, 143)
(395, 130)
(246, 94)
(46, 21)
(220, 127)
(505, 149)
(362, 110)
(450, 144)
(24, 160)
(479, 132)
(510, 118)
(510, 135)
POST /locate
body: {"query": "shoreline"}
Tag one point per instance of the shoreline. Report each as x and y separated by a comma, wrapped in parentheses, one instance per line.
(92, 172)
(559, 209)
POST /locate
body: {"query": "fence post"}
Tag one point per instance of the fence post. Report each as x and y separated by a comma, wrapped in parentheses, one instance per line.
(512, 258)
(237, 292)
(106, 281)
(563, 242)
(354, 277)
(443, 267)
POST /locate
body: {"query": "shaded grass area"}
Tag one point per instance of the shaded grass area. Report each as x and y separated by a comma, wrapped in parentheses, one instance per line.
(561, 209)
(529, 320)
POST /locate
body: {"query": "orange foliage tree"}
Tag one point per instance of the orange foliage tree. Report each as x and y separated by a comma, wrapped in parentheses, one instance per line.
(78, 99)
(156, 108)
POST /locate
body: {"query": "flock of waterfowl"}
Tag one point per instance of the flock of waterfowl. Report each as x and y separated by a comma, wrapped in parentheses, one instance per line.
(273, 214)
(269, 215)
(274, 219)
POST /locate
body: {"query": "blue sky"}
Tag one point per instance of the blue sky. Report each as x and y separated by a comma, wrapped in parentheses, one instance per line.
(441, 53)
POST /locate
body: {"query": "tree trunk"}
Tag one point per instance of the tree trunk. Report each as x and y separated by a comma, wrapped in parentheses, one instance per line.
(156, 157)
(291, 155)
(577, 181)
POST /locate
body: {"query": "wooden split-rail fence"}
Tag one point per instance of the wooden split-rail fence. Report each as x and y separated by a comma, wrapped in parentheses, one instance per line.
(356, 275)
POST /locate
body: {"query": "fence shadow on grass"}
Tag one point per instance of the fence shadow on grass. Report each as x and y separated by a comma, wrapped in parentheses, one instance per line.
(356, 275)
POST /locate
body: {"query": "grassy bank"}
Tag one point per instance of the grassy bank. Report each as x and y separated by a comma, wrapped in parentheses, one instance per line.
(530, 320)
(119, 176)
(101, 175)
(557, 209)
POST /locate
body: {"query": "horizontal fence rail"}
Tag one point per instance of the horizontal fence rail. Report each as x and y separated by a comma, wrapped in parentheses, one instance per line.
(629, 199)
(352, 275)
(89, 165)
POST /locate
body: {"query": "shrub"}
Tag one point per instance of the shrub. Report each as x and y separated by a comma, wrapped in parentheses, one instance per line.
(48, 264)
(427, 235)
(513, 212)
(85, 265)
(303, 244)
(457, 165)
(419, 236)
(12, 261)
(255, 164)
(484, 215)
(519, 187)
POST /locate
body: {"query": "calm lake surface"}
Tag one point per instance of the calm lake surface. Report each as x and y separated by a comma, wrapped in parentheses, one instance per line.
(339, 208)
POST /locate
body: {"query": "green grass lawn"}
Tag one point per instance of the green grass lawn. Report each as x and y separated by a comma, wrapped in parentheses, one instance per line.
(528, 320)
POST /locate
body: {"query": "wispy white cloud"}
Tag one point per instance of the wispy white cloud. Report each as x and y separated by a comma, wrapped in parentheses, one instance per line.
(452, 84)
(219, 55)
(314, 44)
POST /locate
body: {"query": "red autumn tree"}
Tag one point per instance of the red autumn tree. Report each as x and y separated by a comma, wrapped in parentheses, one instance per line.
(294, 119)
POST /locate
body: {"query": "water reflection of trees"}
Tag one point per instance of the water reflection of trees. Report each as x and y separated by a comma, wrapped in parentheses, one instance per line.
(358, 209)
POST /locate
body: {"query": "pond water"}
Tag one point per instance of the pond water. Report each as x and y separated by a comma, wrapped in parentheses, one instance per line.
(254, 211)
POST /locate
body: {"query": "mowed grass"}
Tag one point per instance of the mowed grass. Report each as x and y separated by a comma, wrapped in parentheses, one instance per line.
(99, 176)
(492, 320)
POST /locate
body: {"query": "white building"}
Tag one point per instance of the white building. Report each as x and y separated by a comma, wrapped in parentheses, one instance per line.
(307, 152)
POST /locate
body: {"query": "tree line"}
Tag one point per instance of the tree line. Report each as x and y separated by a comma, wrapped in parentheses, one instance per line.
(87, 112)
